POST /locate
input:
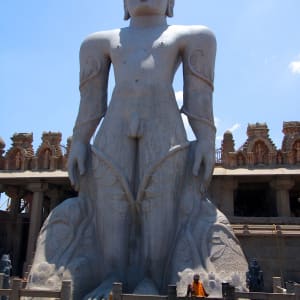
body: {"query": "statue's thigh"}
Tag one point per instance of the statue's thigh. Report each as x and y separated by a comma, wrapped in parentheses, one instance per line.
(112, 202)
(160, 199)
(120, 150)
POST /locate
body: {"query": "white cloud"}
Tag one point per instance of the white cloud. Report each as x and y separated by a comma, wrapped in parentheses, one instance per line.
(294, 66)
(234, 127)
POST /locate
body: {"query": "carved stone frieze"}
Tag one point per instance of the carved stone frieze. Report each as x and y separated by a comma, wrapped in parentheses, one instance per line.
(258, 150)
(49, 155)
(19, 156)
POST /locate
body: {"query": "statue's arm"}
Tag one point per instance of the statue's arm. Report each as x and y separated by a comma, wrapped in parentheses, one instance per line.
(94, 70)
(199, 53)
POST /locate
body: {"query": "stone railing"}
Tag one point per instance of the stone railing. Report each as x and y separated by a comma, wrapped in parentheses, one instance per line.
(17, 291)
(117, 294)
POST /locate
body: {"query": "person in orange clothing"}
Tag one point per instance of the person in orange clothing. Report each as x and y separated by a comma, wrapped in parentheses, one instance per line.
(196, 289)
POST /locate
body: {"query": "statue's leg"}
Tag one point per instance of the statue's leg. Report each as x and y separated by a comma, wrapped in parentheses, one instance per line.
(113, 168)
(159, 205)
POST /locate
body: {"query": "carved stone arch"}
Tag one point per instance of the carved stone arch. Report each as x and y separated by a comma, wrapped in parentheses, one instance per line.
(240, 159)
(261, 152)
(267, 143)
(15, 159)
(44, 155)
(291, 132)
(21, 154)
(296, 151)
(49, 154)
(264, 152)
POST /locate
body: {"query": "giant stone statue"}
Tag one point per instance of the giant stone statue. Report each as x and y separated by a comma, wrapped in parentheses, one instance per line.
(141, 217)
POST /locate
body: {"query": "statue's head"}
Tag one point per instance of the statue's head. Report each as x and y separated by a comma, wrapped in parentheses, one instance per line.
(148, 7)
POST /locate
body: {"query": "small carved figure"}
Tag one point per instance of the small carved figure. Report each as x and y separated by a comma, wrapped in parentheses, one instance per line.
(259, 153)
(5, 268)
(255, 280)
(5, 264)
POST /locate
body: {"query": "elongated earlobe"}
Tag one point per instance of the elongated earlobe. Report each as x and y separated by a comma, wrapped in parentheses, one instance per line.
(170, 10)
(126, 12)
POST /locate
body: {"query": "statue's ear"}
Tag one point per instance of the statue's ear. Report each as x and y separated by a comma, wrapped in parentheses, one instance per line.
(126, 12)
(170, 10)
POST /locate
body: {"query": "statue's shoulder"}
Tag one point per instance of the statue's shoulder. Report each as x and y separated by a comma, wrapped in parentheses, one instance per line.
(99, 41)
(194, 34)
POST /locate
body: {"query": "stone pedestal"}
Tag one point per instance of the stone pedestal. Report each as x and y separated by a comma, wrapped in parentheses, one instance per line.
(277, 283)
(117, 291)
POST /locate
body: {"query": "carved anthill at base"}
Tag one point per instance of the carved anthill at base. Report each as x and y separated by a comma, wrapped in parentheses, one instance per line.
(199, 238)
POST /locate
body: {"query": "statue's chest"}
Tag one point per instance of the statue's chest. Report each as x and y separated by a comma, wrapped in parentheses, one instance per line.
(137, 49)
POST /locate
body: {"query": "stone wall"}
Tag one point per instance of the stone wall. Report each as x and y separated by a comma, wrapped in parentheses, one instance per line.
(277, 255)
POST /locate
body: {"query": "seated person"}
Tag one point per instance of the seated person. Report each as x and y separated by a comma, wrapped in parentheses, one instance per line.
(196, 289)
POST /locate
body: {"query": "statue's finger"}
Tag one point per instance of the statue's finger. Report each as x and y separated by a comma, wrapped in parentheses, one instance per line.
(81, 167)
(75, 177)
(196, 166)
(207, 172)
(71, 172)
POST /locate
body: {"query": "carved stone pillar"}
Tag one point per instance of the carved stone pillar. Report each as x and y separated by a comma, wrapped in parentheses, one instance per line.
(54, 194)
(282, 187)
(35, 218)
(227, 202)
(14, 226)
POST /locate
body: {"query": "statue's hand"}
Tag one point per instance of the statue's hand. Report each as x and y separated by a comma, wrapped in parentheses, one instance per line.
(204, 162)
(77, 162)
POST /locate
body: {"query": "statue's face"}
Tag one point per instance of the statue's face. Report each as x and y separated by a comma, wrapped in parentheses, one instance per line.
(146, 7)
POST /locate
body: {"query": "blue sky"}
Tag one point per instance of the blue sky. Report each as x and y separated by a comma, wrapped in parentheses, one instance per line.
(257, 76)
